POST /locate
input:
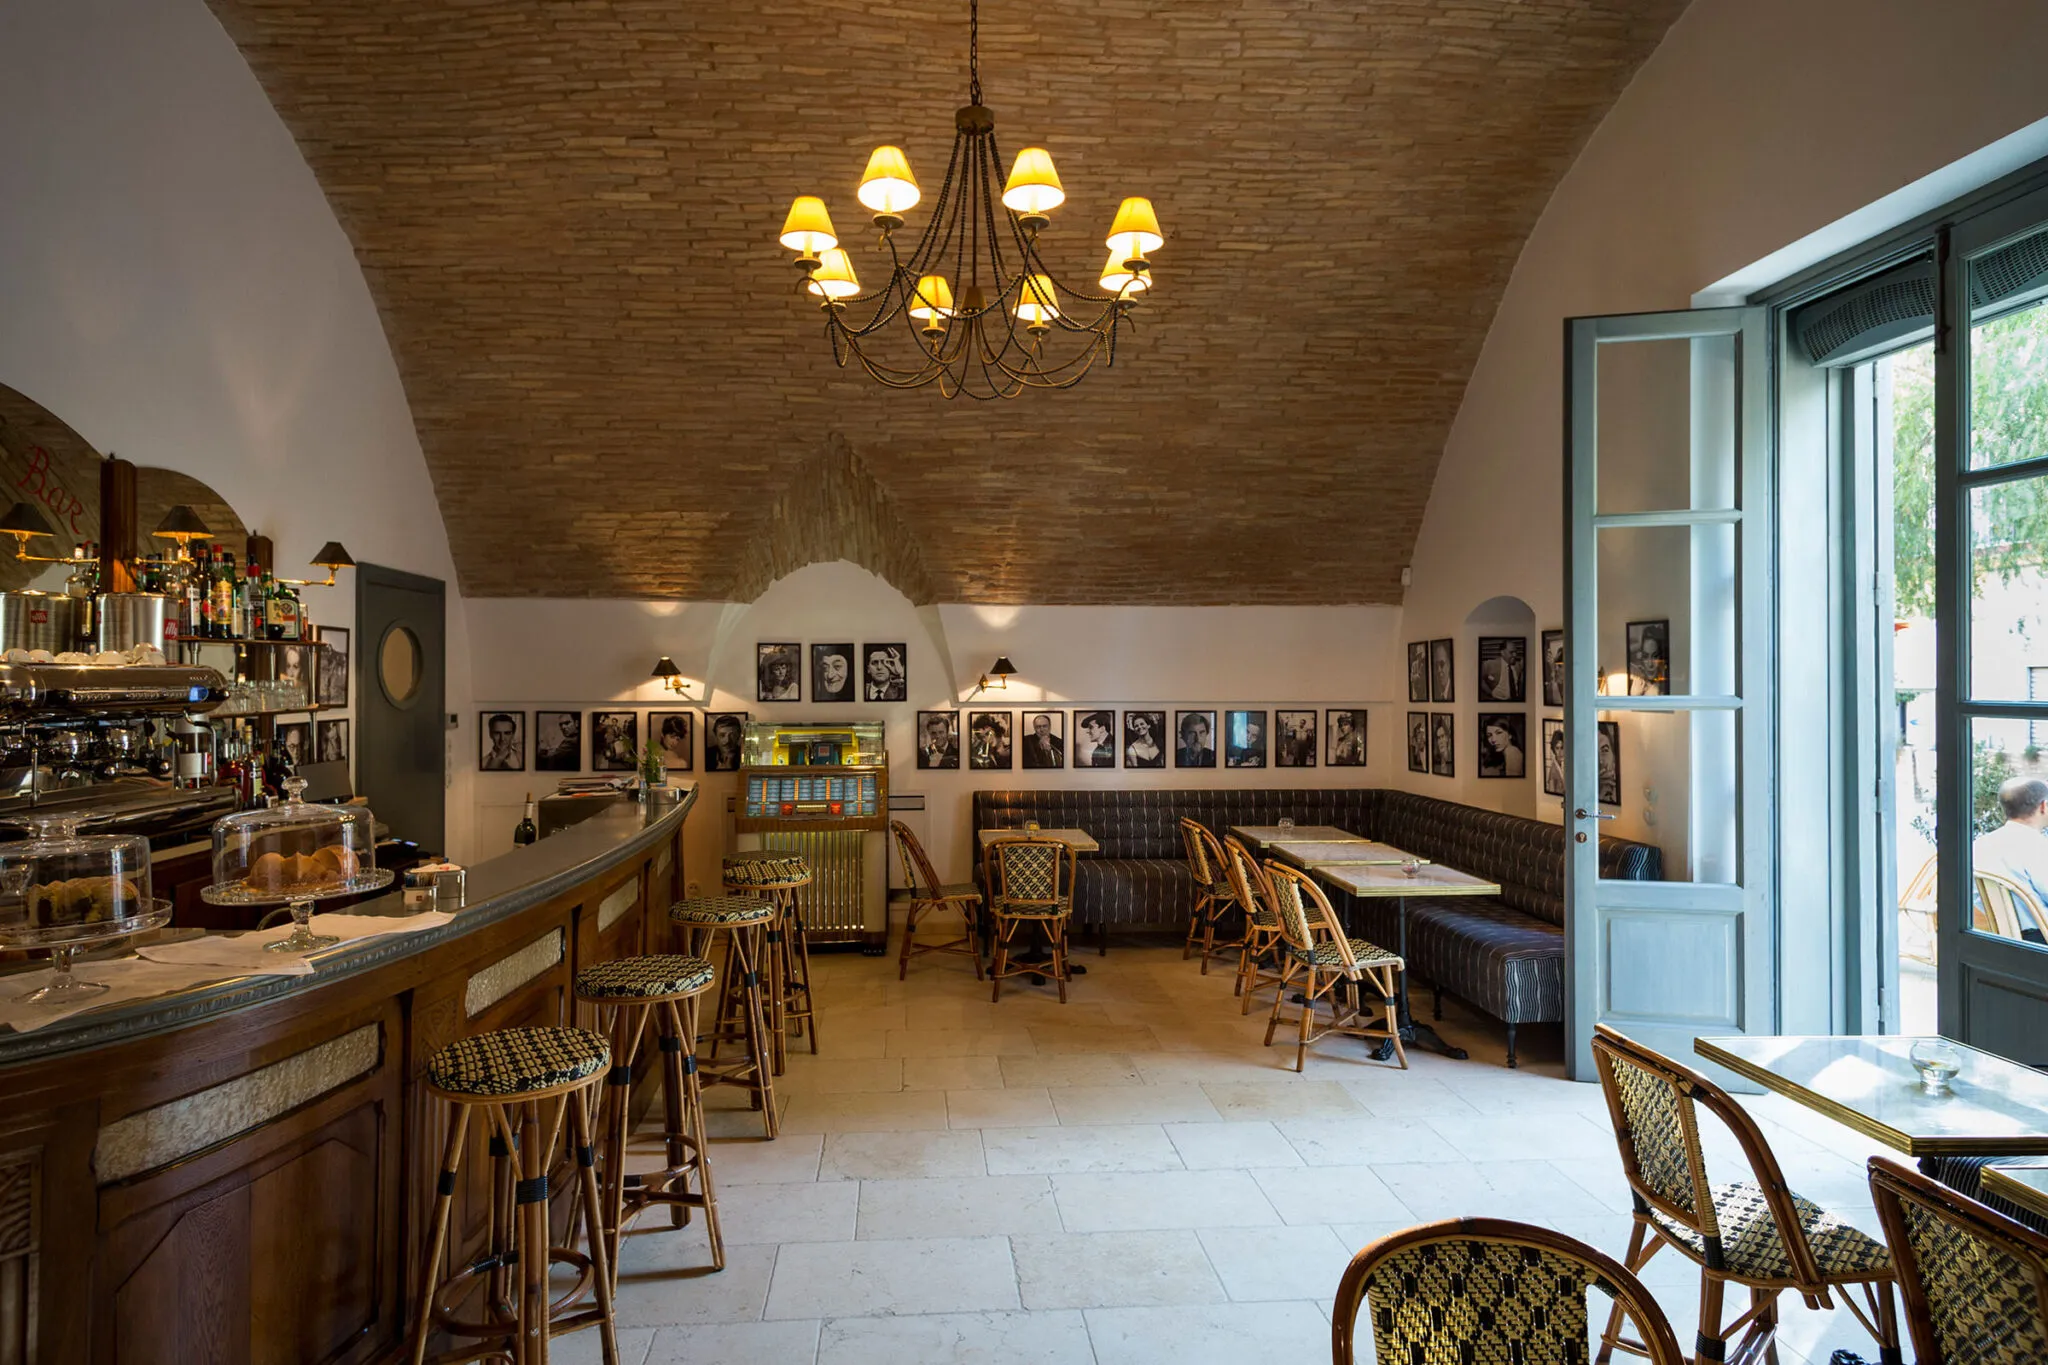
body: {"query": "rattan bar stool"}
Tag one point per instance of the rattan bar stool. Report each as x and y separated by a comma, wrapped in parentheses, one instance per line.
(1214, 897)
(741, 1017)
(511, 1075)
(778, 877)
(628, 992)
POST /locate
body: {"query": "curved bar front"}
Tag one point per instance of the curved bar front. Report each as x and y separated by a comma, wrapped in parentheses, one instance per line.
(242, 1172)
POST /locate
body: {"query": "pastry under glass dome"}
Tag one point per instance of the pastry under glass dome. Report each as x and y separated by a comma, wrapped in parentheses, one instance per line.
(64, 891)
(293, 854)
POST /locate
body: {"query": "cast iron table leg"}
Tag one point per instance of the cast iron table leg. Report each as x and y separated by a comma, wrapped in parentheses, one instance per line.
(1412, 1032)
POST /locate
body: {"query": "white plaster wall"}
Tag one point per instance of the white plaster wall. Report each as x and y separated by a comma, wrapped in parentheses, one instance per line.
(174, 286)
(1754, 124)
(562, 655)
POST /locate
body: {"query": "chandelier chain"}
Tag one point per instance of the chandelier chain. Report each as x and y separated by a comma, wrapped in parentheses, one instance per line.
(974, 51)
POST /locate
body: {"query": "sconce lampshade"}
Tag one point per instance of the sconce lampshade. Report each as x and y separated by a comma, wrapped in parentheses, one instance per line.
(1034, 186)
(808, 228)
(23, 519)
(665, 667)
(181, 523)
(1003, 670)
(332, 556)
(888, 187)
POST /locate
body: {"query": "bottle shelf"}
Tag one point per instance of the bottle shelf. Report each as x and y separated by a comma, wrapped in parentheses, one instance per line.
(219, 640)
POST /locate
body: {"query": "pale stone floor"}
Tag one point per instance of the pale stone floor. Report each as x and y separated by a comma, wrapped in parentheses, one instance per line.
(1130, 1177)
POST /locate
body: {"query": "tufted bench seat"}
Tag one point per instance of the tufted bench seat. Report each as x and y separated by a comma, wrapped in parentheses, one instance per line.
(1503, 955)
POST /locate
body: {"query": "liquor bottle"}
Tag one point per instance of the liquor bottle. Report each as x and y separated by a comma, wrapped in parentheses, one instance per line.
(273, 610)
(294, 615)
(223, 590)
(527, 830)
(243, 593)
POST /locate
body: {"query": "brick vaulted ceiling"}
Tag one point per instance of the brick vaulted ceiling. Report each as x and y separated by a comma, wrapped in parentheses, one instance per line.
(567, 209)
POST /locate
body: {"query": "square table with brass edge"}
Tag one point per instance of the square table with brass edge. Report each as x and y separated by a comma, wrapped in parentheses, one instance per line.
(2021, 1183)
(1256, 837)
(1370, 880)
(1994, 1107)
(1080, 840)
(1313, 853)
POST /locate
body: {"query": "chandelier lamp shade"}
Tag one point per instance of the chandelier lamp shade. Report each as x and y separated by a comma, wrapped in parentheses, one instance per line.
(972, 307)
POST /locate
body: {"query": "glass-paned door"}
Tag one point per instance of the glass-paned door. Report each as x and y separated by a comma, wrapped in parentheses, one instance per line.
(1991, 552)
(1668, 541)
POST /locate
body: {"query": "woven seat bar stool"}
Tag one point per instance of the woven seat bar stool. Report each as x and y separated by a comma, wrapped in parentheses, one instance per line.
(741, 1018)
(1330, 965)
(928, 895)
(786, 968)
(1031, 882)
(529, 1083)
(1975, 1282)
(1485, 1289)
(1215, 898)
(629, 993)
(1756, 1234)
(1258, 955)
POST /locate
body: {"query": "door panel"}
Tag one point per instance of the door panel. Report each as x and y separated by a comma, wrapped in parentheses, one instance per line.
(401, 745)
(1667, 535)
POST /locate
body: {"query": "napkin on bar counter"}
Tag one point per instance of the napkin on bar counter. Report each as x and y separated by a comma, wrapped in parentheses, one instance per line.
(126, 979)
(247, 953)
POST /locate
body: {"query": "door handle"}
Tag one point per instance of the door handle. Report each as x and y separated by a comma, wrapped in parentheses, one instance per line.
(1582, 814)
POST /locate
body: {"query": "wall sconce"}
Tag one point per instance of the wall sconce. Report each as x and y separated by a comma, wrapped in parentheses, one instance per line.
(23, 521)
(331, 558)
(998, 676)
(183, 525)
(671, 677)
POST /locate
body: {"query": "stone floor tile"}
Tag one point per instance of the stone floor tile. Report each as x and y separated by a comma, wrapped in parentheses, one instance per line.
(808, 1075)
(1330, 1194)
(899, 1112)
(1022, 1338)
(1103, 1068)
(1011, 1107)
(1087, 1270)
(887, 1278)
(1526, 1191)
(1557, 1136)
(1364, 1141)
(1276, 1263)
(961, 1042)
(1285, 1097)
(978, 1206)
(952, 1073)
(1243, 1145)
(901, 1156)
(754, 1160)
(738, 1343)
(668, 1279)
(1175, 1103)
(1132, 1201)
(1052, 1151)
(583, 1348)
(1210, 1334)
(787, 1213)
(1052, 1039)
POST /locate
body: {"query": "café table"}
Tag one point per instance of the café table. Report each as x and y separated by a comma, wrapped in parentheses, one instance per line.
(1369, 881)
(1256, 837)
(2024, 1183)
(1080, 840)
(1310, 854)
(1994, 1106)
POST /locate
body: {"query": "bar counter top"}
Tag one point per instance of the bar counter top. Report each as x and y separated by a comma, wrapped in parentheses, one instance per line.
(496, 890)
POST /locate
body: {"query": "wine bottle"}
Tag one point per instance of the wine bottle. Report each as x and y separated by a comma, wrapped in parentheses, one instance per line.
(527, 831)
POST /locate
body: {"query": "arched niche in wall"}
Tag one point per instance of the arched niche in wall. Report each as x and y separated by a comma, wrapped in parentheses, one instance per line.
(1499, 643)
(45, 463)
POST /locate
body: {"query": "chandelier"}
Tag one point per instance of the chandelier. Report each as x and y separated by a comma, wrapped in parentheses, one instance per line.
(973, 308)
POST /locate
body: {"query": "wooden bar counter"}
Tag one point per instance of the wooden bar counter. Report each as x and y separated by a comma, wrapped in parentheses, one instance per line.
(239, 1174)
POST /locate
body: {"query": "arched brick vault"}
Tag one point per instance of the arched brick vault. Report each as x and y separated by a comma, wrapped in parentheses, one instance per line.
(566, 211)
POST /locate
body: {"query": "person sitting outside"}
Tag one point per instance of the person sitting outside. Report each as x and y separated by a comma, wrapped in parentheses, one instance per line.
(2018, 849)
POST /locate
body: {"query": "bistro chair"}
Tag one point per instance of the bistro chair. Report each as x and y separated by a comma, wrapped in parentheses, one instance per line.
(2005, 908)
(1331, 966)
(1975, 1282)
(929, 896)
(1214, 897)
(1258, 956)
(1031, 882)
(1755, 1234)
(1485, 1289)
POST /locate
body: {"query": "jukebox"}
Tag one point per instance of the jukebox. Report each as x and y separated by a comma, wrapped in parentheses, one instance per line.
(822, 791)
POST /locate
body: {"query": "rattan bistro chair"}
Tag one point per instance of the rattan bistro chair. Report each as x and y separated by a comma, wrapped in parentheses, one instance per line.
(1756, 1234)
(1031, 881)
(928, 895)
(1258, 956)
(1330, 965)
(1485, 1289)
(1214, 897)
(1974, 1281)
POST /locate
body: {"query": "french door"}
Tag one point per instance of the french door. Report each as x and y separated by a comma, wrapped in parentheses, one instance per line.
(1668, 622)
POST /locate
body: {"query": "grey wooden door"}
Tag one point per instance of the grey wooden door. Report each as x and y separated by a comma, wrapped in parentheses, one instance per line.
(1667, 636)
(401, 750)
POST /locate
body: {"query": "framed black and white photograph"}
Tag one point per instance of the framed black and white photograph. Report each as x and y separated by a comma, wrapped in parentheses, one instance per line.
(1553, 757)
(1044, 742)
(778, 672)
(1294, 739)
(293, 670)
(1443, 672)
(885, 672)
(1244, 739)
(1610, 762)
(1443, 744)
(1418, 741)
(938, 740)
(558, 741)
(1418, 671)
(1504, 668)
(501, 741)
(614, 741)
(332, 737)
(988, 741)
(1194, 739)
(1649, 658)
(1346, 730)
(296, 739)
(1144, 739)
(330, 686)
(832, 672)
(1095, 739)
(1503, 744)
(1553, 668)
(675, 734)
(723, 731)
